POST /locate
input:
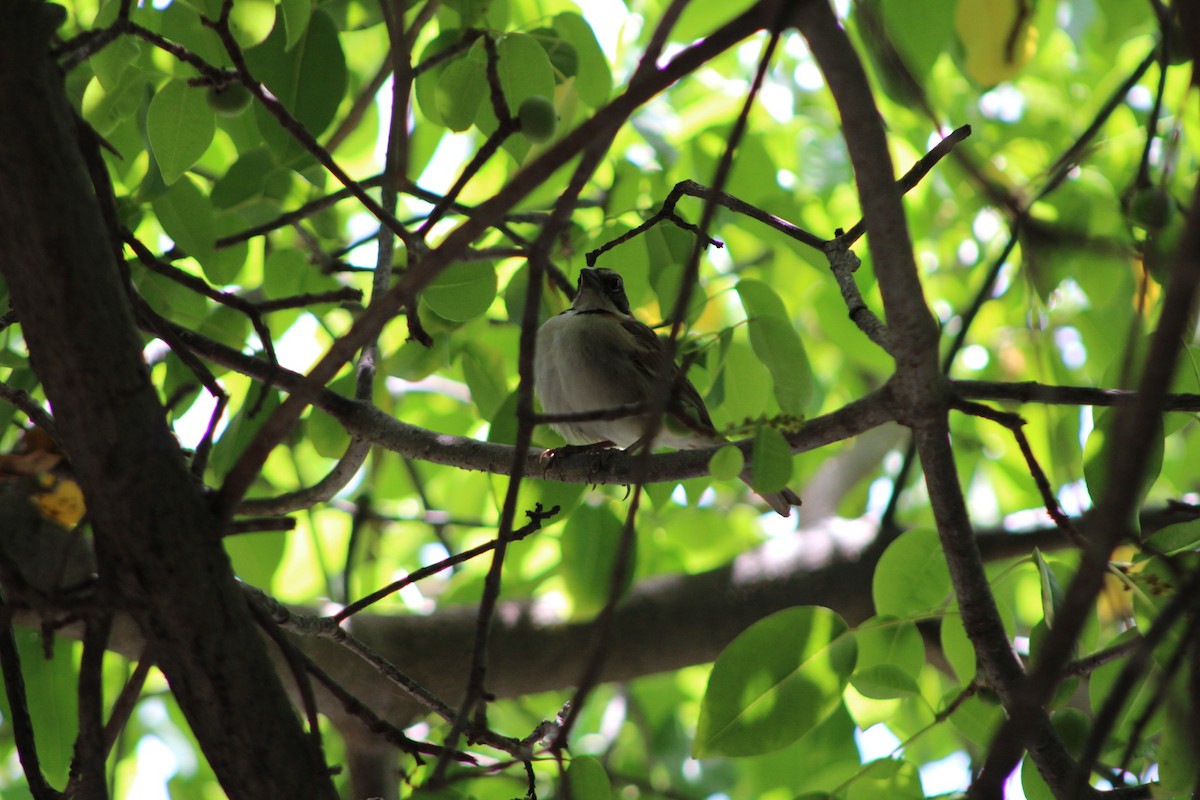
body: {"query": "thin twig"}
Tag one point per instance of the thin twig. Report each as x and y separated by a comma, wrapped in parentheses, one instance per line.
(537, 519)
(1014, 424)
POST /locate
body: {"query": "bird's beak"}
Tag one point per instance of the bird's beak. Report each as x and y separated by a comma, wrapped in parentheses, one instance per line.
(589, 284)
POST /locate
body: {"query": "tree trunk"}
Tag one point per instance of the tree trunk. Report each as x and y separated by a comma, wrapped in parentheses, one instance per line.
(157, 544)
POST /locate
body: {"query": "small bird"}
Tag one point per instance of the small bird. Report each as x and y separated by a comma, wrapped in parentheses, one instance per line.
(596, 356)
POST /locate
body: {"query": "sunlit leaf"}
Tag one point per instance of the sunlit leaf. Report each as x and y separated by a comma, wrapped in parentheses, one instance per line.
(726, 464)
(462, 291)
(594, 78)
(776, 342)
(771, 461)
(997, 37)
(308, 78)
(185, 214)
(1051, 591)
(887, 777)
(460, 89)
(588, 779)
(296, 14)
(1173, 539)
(1100, 459)
(891, 654)
(884, 682)
(50, 686)
(242, 428)
(774, 682)
(256, 556)
(427, 80)
(911, 578)
(590, 543)
(484, 371)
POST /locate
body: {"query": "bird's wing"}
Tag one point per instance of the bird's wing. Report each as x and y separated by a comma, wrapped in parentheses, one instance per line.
(649, 358)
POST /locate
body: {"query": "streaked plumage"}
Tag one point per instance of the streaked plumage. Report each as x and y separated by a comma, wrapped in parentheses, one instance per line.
(597, 356)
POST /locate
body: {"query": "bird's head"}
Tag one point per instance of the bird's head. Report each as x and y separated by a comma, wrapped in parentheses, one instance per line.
(601, 290)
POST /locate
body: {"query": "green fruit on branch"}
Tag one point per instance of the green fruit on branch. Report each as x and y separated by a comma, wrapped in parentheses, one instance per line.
(538, 118)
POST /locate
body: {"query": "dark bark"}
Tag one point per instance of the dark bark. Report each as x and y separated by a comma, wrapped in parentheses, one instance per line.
(157, 544)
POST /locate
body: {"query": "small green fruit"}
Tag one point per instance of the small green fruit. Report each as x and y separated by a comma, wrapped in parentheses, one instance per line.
(229, 101)
(1151, 207)
(538, 118)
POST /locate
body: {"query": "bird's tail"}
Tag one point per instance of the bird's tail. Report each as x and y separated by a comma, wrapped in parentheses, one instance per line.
(781, 502)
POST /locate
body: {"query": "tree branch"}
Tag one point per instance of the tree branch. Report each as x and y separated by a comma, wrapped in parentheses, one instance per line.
(57, 258)
(921, 390)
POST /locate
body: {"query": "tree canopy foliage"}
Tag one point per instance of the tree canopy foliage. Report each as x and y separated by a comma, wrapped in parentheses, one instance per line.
(274, 496)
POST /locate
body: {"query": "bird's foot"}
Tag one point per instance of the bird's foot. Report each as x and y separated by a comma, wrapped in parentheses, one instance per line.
(554, 453)
(574, 449)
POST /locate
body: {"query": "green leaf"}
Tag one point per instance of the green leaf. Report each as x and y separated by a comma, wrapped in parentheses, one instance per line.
(1051, 591)
(256, 556)
(111, 62)
(427, 80)
(884, 682)
(180, 124)
(668, 280)
(997, 38)
(778, 345)
(460, 89)
(329, 438)
(525, 70)
(892, 778)
(726, 464)
(224, 265)
(1178, 768)
(590, 542)
(921, 31)
(1173, 539)
(1099, 458)
(168, 296)
(227, 326)
(462, 291)
(106, 110)
(241, 429)
(895, 642)
(51, 686)
(771, 461)
(911, 579)
(296, 14)
(483, 370)
(594, 77)
(309, 79)
(250, 21)
(891, 655)
(245, 180)
(774, 682)
(701, 17)
(561, 53)
(185, 215)
(744, 384)
(957, 647)
(588, 779)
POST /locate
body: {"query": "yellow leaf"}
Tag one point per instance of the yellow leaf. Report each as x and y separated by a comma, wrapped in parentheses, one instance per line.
(62, 502)
(997, 36)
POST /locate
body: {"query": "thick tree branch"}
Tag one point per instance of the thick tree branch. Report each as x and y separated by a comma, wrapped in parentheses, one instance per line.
(602, 467)
(663, 623)
(57, 259)
(921, 390)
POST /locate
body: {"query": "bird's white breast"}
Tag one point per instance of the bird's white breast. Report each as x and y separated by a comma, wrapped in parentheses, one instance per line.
(581, 366)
